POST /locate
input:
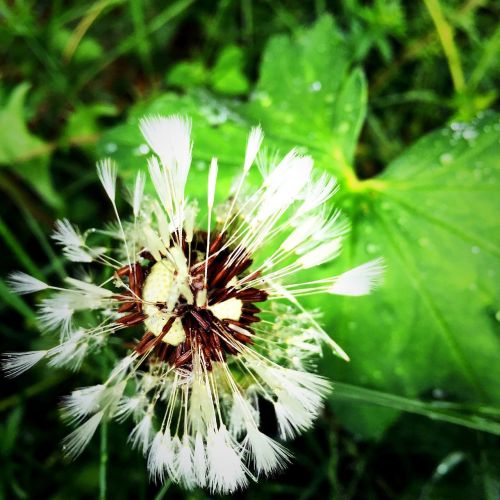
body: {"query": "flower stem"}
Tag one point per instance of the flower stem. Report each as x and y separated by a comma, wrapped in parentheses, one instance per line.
(445, 33)
(163, 490)
(103, 461)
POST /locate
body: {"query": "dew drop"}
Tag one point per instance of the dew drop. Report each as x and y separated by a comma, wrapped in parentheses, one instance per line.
(469, 134)
(438, 393)
(201, 165)
(315, 86)
(110, 147)
(475, 250)
(442, 469)
(497, 316)
(371, 248)
(142, 150)
(446, 158)
(343, 127)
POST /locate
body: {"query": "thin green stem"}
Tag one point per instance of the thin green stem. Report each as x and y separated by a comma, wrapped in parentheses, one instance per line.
(103, 463)
(445, 33)
(160, 21)
(163, 491)
(44, 243)
(16, 302)
(247, 16)
(487, 60)
(17, 249)
(478, 418)
(83, 26)
(140, 35)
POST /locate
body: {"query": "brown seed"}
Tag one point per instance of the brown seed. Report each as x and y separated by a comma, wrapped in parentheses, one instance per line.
(123, 271)
(142, 343)
(126, 306)
(183, 359)
(131, 319)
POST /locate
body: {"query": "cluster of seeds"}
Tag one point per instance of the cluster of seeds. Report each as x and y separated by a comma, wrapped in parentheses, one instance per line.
(217, 307)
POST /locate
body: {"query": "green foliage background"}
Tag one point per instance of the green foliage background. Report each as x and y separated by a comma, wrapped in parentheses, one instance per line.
(395, 99)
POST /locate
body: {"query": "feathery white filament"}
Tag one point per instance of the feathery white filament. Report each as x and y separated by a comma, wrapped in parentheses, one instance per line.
(82, 402)
(140, 437)
(70, 353)
(212, 180)
(322, 253)
(267, 454)
(360, 280)
(226, 470)
(200, 461)
(77, 254)
(253, 145)
(89, 288)
(140, 181)
(185, 467)
(210, 433)
(106, 171)
(22, 283)
(317, 193)
(75, 443)
(160, 184)
(66, 234)
(161, 457)
(15, 363)
(170, 138)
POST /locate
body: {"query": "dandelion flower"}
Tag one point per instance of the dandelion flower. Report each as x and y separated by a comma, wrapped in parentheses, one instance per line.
(208, 309)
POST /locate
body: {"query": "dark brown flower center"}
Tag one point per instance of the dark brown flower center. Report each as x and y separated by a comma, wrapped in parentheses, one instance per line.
(215, 326)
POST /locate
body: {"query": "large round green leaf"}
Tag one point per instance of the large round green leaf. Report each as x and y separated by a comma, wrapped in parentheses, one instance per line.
(432, 328)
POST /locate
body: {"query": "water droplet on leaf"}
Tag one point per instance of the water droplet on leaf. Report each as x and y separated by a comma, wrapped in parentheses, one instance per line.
(110, 147)
(315, 87)
(446, 158)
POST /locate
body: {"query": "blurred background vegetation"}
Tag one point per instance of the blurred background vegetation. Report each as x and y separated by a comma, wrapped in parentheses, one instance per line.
(360, 86)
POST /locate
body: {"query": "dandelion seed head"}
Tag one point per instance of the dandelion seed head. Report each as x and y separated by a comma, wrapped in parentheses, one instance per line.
(214, 305)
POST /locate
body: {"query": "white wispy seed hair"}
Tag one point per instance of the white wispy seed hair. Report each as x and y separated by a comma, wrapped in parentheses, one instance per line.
(208, 355)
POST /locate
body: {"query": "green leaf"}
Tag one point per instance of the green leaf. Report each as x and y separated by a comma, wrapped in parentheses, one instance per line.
(23, 152)
(432, 328)
(187, 74)
(83, 123)
(87, 51)
(11, 431)
(227, 77)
